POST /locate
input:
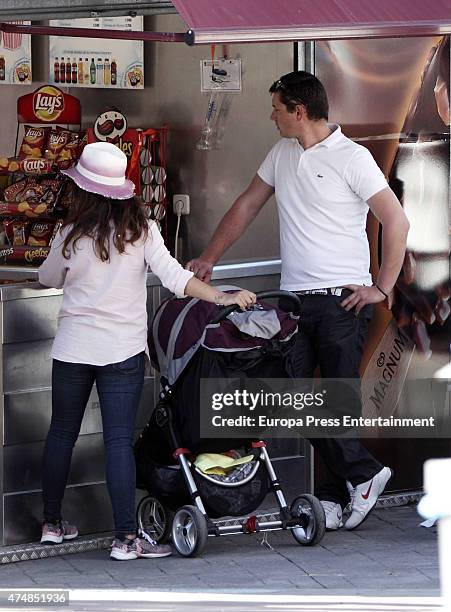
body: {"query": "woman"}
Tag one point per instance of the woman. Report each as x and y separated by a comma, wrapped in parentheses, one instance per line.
(101, 257)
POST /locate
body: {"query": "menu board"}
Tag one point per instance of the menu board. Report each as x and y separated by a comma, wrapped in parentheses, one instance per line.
(97, 62)
(15, 57)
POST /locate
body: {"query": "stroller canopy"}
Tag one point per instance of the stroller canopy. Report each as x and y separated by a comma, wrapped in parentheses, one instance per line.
(181, 326)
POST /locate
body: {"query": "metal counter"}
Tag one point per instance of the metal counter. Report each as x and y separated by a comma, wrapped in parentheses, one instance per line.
(28, 321)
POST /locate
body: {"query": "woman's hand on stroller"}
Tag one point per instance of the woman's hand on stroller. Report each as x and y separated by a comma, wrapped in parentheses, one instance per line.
(243, 298)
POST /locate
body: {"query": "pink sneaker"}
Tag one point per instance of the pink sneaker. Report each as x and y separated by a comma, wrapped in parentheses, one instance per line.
(122, 551)
(141, 547)
(146, 548)
(55, 533)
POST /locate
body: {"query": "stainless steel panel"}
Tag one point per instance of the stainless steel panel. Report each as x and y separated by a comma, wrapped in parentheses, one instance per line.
(20, 290)
(322, 32)
(22, 464)
(88, 506)
(26, 365)
(247, 269)
(25, 290)
(255, 283)
(27, 397)
(27, 415)
(32, 319)
(1, 449)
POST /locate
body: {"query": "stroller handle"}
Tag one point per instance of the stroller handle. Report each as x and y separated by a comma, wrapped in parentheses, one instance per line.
(261, 295)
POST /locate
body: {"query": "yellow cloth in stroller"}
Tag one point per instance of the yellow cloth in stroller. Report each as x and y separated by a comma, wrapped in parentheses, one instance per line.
(218, 464)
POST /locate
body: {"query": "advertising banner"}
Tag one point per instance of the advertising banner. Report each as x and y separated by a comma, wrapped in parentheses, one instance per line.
(49, 105)
(406, 128)
(393, 97)
(15, 57)
(97, 62)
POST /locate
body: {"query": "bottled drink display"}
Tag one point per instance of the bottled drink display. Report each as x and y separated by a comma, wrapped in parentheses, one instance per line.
(99, 71)
(89, 71)
(113, 72)
(81, 78)
(74, 71)
(62, 71)
(107, 72)
(92, 71)
(56, 71)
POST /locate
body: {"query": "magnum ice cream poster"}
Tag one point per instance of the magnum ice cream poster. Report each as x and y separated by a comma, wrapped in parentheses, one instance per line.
(15, 57)
(392, 96)
(96, 62)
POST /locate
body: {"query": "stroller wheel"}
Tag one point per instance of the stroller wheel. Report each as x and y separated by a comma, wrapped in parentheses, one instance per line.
(309, 509)
(189, 531)
(153, 518)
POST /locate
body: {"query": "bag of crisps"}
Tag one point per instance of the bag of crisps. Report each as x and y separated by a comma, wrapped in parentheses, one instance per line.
(34, 141)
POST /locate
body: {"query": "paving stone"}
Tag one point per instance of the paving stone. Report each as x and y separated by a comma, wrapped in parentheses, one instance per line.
(390, 554)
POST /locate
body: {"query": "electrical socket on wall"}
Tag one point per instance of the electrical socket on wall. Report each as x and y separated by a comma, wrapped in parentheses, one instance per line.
(180, 204)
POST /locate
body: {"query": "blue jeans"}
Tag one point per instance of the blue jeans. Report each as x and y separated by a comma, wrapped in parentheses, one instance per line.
(119, 386)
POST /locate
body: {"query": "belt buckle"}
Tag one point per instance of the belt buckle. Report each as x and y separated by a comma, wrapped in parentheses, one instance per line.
(336, 291)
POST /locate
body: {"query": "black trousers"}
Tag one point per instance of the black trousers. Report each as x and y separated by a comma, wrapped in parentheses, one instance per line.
(332, 338)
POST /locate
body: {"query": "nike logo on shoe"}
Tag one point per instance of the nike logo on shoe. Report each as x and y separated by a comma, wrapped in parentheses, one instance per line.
(365, 497)
(367, 494)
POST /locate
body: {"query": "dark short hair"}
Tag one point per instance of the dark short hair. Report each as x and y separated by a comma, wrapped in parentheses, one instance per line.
(302, 88)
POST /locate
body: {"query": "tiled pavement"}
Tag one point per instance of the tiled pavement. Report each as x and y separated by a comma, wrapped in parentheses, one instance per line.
(389, 555)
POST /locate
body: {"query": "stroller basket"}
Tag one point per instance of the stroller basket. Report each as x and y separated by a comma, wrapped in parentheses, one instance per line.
(167, 482)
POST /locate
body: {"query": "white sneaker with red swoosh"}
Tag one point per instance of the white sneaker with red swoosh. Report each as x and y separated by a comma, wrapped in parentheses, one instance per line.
(365, 497)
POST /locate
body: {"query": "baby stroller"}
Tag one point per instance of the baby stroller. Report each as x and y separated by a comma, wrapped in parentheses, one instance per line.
(190, 340)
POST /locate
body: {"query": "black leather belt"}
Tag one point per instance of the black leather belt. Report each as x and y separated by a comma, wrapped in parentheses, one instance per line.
(326, 291)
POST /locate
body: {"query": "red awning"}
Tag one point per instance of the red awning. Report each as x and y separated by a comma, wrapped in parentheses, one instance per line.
(224, 21)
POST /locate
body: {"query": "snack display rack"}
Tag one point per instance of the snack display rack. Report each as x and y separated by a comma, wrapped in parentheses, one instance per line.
(153, 174)
(34, 197)
(146, 150)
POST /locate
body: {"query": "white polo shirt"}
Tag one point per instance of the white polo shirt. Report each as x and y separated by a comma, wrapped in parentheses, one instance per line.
(321, 195)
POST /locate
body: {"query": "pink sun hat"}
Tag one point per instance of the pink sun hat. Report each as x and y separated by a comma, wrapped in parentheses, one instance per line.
(101, 169)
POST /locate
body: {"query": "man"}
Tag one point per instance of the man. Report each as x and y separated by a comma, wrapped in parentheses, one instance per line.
(324, 184)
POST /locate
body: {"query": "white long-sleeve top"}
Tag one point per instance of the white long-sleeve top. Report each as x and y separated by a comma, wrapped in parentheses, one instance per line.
(103, 317)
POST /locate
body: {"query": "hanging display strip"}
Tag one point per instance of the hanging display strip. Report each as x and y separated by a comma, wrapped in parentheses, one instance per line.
(15, 57)
(152, 162)
(95, 62)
